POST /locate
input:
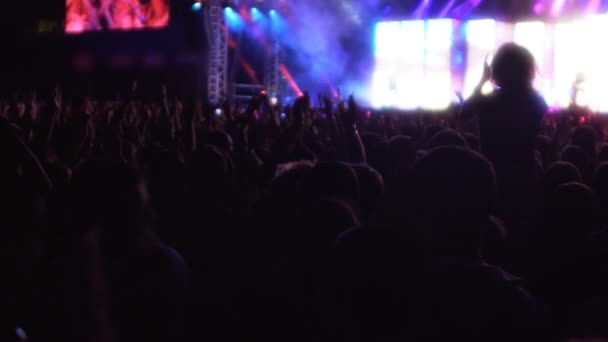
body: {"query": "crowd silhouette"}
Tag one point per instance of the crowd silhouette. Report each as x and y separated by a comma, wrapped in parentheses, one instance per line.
(160, 220)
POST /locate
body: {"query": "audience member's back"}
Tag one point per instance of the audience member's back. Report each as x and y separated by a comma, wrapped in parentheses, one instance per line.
(511, 117)
(332, 180)
(559, 173)
(586, 138)
(577, 156)
(564, 251)
(600, 186)
(145, 280)
(509, 120)
(460, 296)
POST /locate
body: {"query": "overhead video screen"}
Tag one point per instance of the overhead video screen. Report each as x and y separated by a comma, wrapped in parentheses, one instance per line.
(99, 15)
(413, 64)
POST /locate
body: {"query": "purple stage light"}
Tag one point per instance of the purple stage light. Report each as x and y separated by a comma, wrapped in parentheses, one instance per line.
(539, 8)
(388, 9)
(421, 9)
(593, 6)
(446, 9)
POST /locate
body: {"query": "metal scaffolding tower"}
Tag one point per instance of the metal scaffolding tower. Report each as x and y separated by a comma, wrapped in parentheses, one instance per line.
(218, 52)
(272, 71)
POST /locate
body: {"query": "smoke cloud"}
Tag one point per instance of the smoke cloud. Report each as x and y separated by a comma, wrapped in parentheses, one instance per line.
(330, 40)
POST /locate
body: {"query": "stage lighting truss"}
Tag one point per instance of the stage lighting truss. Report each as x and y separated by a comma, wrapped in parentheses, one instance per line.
(218, 52)
(272, 72)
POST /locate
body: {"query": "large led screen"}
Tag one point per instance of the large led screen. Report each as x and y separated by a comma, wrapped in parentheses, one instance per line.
(413, 64)
(98, 15)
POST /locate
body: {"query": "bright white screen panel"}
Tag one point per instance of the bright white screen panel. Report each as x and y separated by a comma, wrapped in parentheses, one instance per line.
(413, 64)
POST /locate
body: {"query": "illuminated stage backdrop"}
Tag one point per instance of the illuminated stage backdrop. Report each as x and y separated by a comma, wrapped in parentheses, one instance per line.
(96, 15)
(414, 68)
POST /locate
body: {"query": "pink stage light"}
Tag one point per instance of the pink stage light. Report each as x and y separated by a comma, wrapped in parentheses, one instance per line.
(558, 7)
(249, 70)
(593, 6)
(539, 8)
(290, 79)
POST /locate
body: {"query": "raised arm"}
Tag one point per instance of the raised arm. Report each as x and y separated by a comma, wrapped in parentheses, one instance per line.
(31, 168)
(472, 106)
(353, 149)
(48, 120)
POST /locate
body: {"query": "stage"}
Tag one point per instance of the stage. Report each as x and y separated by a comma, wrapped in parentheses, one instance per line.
(422, 55)
(425, 63)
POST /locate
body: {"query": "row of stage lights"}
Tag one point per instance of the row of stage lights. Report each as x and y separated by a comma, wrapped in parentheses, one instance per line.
(198, 5)
(237, 19)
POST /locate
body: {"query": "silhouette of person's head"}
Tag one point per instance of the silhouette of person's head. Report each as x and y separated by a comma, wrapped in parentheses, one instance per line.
(299, 153)
(379, 157)
(559, 173)
(288, 181)
(370, 140)
(447, 137)
(472, 141)
(108, 193)
(221, 140)
(452, 191)
(602, 155)
(577, 157)
(402, 153)
(322, 222)
(333, 180)
(209, 173)
(513, 67)
(571, 214)
(600, 184)
(586, 138)
(279, 205)
(544, 148)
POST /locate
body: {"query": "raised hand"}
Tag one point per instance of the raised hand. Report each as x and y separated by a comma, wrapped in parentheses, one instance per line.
(34, 108)
(163, 89)
(147, 111)
(57, 97)
(350, 115)
(485, 76)
(298, 110)
(328, 106)
(487, 71)
(179, 107)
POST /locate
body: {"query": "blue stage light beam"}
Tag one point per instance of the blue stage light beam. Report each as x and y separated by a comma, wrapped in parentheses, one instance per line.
(258, 17)
(259, 25)
(233, 19)
(277, 22)
(197, 6)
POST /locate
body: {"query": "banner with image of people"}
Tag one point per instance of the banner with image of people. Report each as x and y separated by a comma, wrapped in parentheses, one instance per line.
(97, 15)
